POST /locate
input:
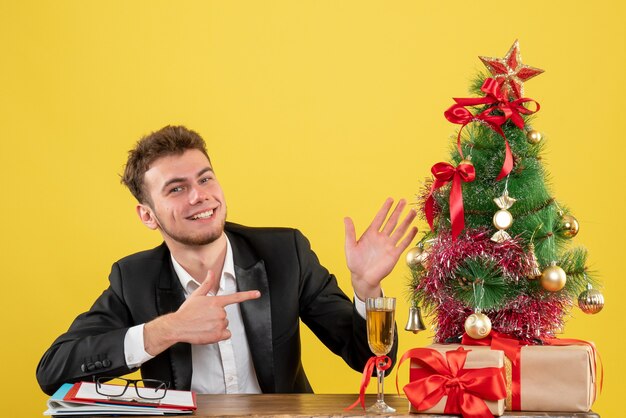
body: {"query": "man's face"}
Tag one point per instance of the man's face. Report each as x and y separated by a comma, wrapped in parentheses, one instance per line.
(188, 205)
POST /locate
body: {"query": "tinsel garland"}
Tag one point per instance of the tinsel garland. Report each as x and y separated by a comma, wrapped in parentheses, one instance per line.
(530, 315)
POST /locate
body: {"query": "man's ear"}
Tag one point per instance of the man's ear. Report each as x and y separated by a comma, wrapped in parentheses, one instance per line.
(147, 216)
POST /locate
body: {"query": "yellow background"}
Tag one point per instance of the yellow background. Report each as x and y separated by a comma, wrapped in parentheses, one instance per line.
(312, 110)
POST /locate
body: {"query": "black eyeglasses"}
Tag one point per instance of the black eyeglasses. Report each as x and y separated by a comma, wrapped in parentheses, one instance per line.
(146, 389)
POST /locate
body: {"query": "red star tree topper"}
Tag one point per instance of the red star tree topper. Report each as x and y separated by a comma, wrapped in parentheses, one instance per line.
(510, 71)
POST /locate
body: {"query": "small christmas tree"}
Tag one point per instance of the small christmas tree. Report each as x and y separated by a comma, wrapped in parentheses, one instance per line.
(497, 255)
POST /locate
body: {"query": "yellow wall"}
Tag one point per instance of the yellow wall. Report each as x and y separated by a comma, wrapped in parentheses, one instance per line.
(312, 110)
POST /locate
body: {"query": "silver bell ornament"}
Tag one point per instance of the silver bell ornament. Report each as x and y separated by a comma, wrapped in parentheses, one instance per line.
(415, 323)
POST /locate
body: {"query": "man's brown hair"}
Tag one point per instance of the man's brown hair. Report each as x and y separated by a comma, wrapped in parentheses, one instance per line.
(170, 140)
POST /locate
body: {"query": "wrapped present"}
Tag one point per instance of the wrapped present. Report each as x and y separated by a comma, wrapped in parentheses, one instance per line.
(455, 380)
(557, 376)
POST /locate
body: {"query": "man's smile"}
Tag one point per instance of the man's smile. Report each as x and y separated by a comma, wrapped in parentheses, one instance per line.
(202, 215)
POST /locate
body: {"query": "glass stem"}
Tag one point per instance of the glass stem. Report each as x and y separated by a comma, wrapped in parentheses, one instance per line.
(381, 388)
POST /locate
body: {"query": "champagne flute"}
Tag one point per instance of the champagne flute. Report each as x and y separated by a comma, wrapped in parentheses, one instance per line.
(380, 331)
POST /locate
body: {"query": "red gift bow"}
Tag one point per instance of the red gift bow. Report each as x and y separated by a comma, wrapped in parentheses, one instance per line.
(443, 173)
(513, 351)
(466, 389)
(384, 363)
(494, 95)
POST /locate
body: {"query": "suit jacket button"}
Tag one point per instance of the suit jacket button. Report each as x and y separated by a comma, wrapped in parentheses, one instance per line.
(91, 367)
(106, 363)
(98, 364)
(83, 367)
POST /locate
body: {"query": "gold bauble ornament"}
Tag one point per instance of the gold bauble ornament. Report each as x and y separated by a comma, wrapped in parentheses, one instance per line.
(534, 137)
(416, 256)
(568, 226)
(591, 301)
(466, 161)
(478, 325)
(553, 278)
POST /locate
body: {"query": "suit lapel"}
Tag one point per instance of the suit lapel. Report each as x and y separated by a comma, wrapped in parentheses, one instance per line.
(256, 314)
(170, 296)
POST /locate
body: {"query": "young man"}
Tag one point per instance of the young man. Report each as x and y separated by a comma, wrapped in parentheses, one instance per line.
(216, 307)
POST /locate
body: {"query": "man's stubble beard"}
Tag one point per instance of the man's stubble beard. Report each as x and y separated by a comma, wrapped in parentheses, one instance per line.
(192, 241)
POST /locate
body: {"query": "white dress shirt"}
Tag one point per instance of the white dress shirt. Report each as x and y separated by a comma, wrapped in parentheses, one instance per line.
(222, 367)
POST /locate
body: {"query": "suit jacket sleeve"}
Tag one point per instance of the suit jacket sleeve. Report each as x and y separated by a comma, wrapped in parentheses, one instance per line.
(329, 313)
(94, 343)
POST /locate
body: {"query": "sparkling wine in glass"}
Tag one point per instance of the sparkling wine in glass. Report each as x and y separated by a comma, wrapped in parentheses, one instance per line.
(380, 331)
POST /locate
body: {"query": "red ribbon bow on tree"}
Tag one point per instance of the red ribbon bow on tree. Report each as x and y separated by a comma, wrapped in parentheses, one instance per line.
(384, 362)
(466, 389)
(494, 95)
(444, 173)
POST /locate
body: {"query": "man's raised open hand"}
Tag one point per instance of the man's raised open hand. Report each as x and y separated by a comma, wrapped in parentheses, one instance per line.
(375, 254)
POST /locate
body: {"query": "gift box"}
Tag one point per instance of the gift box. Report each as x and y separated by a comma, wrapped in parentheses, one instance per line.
(556, 378)
(547, 377)
(452, 379)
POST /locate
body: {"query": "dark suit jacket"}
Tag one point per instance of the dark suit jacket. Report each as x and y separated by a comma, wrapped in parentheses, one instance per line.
(276, 261)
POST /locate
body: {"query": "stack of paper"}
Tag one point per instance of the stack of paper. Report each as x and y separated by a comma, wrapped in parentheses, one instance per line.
(82, 399)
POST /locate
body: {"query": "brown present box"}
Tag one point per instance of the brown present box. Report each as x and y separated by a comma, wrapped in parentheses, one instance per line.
(551, 378)
(476, 359)
(557, 378)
